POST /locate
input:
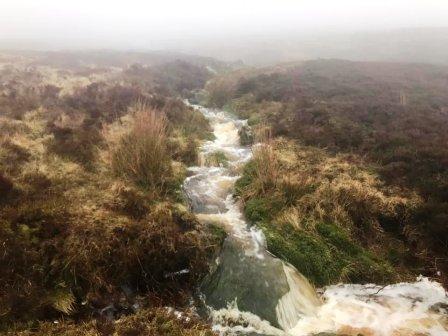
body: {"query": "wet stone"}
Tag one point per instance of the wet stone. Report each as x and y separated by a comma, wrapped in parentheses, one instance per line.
(256, 284)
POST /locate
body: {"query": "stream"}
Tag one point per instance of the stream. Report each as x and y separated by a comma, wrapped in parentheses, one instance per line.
(251, 292)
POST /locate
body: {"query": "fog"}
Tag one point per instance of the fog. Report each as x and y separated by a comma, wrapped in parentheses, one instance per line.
(283, 30)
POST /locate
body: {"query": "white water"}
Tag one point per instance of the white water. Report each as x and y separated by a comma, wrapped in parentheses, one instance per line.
(418, 308)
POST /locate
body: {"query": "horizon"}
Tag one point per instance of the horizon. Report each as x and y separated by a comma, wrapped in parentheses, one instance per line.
(151, 25)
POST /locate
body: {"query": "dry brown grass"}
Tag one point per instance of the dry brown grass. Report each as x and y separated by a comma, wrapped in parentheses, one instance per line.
(74, 235)
(89, 185)
(313, 204)
(315, 187)
(147, 322)
(264, 160)
(323, 188)
(141, 156)
(266, 167)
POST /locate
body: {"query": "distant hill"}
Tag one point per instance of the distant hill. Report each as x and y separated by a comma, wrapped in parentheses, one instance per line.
(112, 58)
(425, 45)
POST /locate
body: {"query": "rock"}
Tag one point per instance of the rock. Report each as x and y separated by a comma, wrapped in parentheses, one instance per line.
(246, 136)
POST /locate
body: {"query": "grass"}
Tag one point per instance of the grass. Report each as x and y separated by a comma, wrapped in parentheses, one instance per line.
(217, 159)
(156, 322)
(353, 109)
(323, 213)
(327, 256)
(76, 231)
(92, 212)
(141, 156)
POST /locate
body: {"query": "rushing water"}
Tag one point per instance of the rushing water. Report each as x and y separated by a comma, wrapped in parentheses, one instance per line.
(251, 292)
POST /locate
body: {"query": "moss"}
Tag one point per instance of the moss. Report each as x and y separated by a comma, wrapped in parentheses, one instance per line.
(262, 209)
(338, 237)
(218, 232)
(309, 254)
(256, 209)
(246, 178)
(253, 120)
(325, 258)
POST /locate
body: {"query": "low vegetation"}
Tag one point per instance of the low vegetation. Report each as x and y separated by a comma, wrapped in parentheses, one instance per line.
(324, 214)
(159, 321)
(391, 118)
(92, 218)
(217, 159)
(141, 155)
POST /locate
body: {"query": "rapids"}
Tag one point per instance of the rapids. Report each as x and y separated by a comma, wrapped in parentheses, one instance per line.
(251, 292)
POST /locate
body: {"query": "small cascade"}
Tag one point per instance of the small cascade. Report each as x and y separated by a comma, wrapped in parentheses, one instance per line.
(301, 300)
(251, 292)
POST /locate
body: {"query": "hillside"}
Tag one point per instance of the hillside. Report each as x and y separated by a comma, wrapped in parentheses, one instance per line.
(369, 140)
(93, 221)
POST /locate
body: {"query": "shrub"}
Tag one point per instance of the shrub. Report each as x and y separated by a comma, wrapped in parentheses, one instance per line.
(71, 244)
(142, 254)
(31, 233)
(55, 259)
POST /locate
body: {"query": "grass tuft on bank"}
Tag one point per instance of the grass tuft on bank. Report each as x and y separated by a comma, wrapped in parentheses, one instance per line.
(324, 214)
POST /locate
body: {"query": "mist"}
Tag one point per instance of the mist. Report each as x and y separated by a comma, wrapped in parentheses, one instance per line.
(256, 32)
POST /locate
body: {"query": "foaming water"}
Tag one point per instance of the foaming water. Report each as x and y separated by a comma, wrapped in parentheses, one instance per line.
(251, 292)
(418, 308)
(300, 301)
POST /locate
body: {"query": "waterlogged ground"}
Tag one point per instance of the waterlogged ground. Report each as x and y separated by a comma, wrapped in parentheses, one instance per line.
(252, 292)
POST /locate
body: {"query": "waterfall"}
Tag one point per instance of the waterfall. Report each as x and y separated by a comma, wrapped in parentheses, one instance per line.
(299, 302)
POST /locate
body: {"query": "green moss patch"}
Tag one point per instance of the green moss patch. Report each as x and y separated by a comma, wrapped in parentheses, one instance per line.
(326, 256)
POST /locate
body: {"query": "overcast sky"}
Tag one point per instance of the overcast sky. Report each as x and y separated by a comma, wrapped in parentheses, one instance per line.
(127, 22)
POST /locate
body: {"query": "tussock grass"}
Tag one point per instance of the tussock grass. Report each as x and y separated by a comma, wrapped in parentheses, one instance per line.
(298, 194)
(142, 156)
(216, 159)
